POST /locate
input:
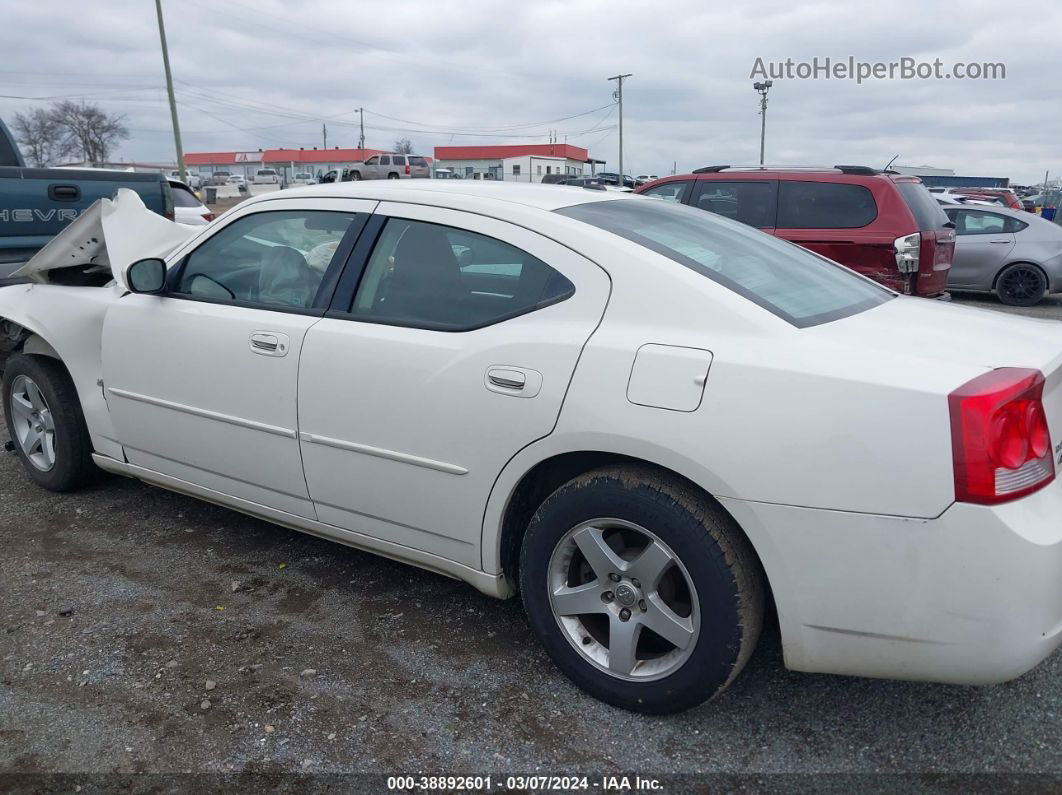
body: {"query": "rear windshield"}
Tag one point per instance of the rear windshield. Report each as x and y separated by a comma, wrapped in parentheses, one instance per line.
(183, 197)
(923, 206)
(800, 287)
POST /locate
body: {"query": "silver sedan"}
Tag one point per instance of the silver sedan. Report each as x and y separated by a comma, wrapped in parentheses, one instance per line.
(1015, 254)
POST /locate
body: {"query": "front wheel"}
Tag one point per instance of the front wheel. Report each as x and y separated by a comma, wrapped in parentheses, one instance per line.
(1021, 284)
(44, 419)
(642, 589)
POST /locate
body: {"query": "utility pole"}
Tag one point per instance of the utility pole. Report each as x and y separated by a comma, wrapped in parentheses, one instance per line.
(169, 90)
(361, 122)
(619, 98)
(324, 136)
(763, 88)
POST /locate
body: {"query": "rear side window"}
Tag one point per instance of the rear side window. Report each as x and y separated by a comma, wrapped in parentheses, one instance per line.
(824, 205)
(669, 191)
(979, 222)
(385, 160)
(800, 287)
(447, 279)
(926, 209)
(399, 160)
(182, 197)
(749, 202)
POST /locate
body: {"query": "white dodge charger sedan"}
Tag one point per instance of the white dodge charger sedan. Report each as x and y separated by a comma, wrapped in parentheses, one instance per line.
(655, 424)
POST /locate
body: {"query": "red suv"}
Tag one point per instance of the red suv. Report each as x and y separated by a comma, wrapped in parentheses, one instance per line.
(884, 225)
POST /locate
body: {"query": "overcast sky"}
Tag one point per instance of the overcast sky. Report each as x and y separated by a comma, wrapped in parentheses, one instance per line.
(266, 73)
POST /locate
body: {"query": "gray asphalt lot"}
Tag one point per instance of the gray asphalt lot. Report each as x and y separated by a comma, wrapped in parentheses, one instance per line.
(142, 631)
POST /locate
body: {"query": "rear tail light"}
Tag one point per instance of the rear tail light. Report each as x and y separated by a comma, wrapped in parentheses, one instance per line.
(1001, 446)
(209, 216)
(407, 168)
(907, 248)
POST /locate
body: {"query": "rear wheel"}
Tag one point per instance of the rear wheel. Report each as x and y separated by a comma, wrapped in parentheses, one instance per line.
(392, 175)
(643, 590)
(44, 419)
(1021, 284)
(355, 176)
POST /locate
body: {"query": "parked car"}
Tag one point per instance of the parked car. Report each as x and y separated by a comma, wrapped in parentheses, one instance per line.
(643, 178)
(238, 180)
(301, 178)
(193, 181)
(335, 175)
(391, 166)
(266, 176)
(187, 209)
(648, 419)
(1016, 255)
(1007, 198)
(884, 225)
(612, 178)
(219, 178)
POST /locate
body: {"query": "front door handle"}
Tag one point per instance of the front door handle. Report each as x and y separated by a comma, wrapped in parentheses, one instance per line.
(999, 241)
(269, 343)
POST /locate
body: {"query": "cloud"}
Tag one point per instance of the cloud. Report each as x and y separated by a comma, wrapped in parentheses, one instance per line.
(270, 73)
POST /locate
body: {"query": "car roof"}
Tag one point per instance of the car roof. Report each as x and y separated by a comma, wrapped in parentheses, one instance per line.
(446, 192)
(835, 173)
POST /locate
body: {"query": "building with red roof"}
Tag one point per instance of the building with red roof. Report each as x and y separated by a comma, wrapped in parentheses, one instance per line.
(287, 162)
(513, 162)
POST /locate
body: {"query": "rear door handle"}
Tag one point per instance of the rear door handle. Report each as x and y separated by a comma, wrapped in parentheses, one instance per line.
(269, 343)
(513, 381)
(999, 241)
(509, 379)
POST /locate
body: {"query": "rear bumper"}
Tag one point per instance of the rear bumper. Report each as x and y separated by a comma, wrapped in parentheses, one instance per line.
(971, 597)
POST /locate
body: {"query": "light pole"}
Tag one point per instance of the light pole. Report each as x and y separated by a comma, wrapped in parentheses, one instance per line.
(763, 88)
(169, 90)
(619, 98)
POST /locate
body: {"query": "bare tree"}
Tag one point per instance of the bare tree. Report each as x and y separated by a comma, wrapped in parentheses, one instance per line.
(88, 129)
(404, 146)
(41, 137)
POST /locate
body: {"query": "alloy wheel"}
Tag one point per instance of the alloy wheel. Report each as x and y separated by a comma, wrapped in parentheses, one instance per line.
(623, 599)
(1022, 285)
(33, 424)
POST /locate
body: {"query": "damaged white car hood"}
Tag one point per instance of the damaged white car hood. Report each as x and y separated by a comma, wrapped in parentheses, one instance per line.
(111, 233)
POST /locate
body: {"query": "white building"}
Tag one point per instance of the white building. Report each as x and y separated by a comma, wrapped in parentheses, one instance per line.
(513, 163)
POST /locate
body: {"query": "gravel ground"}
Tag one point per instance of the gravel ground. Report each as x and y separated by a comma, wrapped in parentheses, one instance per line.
(145, 632)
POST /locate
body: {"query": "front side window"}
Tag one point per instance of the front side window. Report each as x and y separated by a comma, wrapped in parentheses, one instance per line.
(372, 161)
(271, 259)
(443, 278)
(802, 288)
(824, 205)
(749, 202)
(669, 191)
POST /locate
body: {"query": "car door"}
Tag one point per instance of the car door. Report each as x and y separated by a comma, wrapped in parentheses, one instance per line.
(751, 202)
(454, 353)
(201, 380)
(982, 246)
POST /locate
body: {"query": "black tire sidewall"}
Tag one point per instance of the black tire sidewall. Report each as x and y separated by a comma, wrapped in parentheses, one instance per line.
(72, 445)
(1006, 299)
(718, 649)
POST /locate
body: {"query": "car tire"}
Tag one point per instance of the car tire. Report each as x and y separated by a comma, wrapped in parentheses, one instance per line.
(1021, 284)
(45, 422)
(703, 587)
(392, 175)
(355, 176)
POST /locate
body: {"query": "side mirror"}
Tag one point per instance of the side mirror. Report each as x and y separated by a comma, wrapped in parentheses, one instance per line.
(146, 276)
